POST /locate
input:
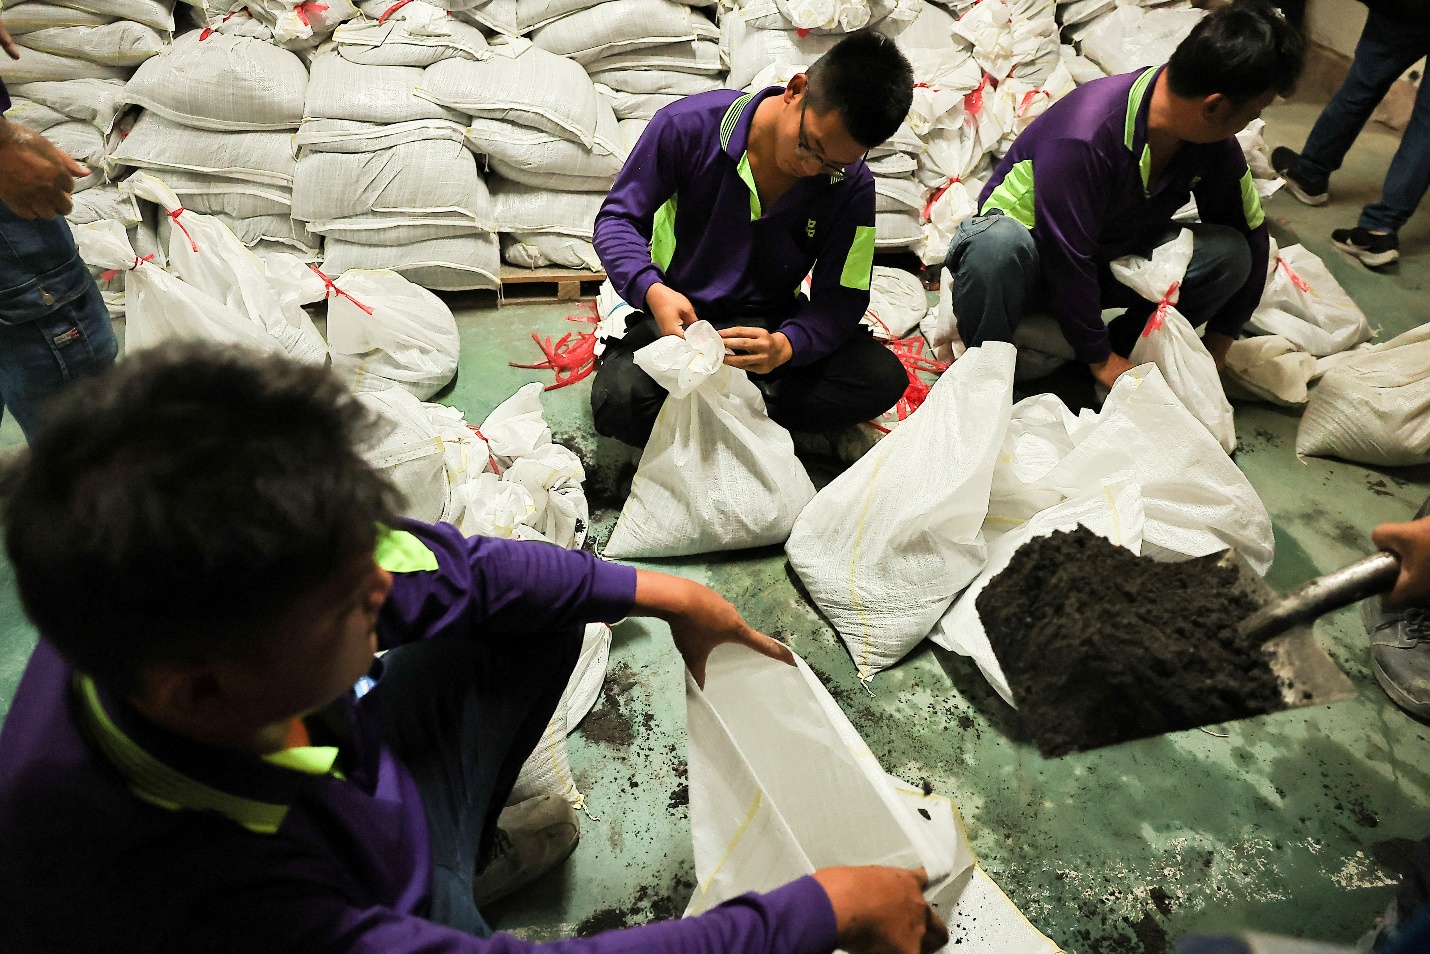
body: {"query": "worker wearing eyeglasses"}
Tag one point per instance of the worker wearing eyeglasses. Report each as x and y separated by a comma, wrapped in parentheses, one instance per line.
(726, 203)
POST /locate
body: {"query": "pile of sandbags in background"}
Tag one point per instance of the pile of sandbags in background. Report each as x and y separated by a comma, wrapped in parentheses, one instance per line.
(72, 67)
(385, 175)
(1125, 36)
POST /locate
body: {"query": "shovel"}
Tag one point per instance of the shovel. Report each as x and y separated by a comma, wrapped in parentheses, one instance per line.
(1307, 674)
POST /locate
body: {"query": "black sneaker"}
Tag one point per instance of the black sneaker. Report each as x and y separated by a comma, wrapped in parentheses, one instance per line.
(1372, 248)
(1284, 161)
(1400, 650)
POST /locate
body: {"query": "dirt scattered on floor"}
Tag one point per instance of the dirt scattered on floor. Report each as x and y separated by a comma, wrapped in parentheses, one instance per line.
(1379, 488)
(649, 904)
(1102, 646)
(1161, 899)
(679, 799)
(609, 723)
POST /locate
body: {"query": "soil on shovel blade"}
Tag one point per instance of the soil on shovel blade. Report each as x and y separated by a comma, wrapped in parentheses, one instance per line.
(1101, 646)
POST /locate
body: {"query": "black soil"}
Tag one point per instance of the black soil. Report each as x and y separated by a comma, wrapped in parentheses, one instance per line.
(1101, 646)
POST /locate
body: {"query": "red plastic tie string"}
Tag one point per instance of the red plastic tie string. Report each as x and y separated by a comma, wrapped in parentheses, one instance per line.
(1163, 306)
(802, 32)
(332, 288)
(174, 217)
(391, 10)
(303, 8)
(910, 352)
(208, 31)
(138, 260)
(938, 194)
(973, 101)
(491, 458)
(1027, 101)
(572, 357)
(1296, 280)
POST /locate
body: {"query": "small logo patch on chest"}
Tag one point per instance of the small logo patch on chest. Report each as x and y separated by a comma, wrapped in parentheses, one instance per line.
(809, 228)
(1195, 180)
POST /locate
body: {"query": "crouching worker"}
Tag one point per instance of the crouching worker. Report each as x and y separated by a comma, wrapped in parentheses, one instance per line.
(724, 206)
(1100, 175)
(204, 754)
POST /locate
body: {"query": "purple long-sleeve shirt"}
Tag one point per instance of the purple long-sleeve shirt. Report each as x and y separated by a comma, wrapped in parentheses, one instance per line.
(685, 212)
(1078, 177)
(118, 836)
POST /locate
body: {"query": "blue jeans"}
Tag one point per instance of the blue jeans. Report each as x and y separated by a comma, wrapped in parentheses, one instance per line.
(997, 279)
(463, 715)
(1385, 51)
(54, 326)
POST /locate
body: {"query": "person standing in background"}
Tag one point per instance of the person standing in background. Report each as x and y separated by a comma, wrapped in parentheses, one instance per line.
(1395, 38)
(54, 326)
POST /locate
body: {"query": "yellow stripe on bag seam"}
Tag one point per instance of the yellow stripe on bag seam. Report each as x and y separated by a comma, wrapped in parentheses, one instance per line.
(854, 602)
(735, 839)
(1116, 521)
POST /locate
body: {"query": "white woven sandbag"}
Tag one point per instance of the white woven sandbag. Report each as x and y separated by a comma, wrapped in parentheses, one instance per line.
(631, 130)
(516, 427)
(339, 89)
(947, 208)
(523, 208)
(35, 117)
(34, 66)
(205, 253)
(618, 25)
(897, 195)
(932, 29)
(520, 83)
(666, 82)
(294, 280)
(211, 194)
(384, 330)
(1113, 510)
(688, 56)
(535, 154)
(158, 14)
(553, 476)
(896, 229)
(893, 165)
(717, 473)
(410, 454)
(416, 34)
(1197, 501)
(1169, 340)
(222, 82)
(159, 144)
(1082, 69)
(1305, 304)
(433, 177)
(345, 135)
(393, 228)
(540, 249)
(749, 49)
(1373, 407)
(1129, 38)
(27, 17)
(88, 100)
(105, 202)
(162, 307)
(547, 770)
(303, 25)
(124, 43)
(83, 141)
(897, 302)
(886, 545)
(637, 105)
(1269, 368)
(257, 231)
(453, 263)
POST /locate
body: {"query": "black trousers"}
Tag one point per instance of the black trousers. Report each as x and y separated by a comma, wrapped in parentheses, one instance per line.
(858, 382)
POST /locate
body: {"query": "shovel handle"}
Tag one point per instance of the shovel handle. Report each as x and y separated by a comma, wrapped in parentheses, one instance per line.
(1349, 584)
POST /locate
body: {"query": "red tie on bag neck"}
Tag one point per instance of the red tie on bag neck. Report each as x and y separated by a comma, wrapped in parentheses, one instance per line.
(109, 275)
(491, 458)
(1028, 101)
(209, 31)
(973, 101)
(391, 10)
(938, 194)
(1160, 315)
(303, 8)
(1296, 280)
(335, 290)
(174, 217)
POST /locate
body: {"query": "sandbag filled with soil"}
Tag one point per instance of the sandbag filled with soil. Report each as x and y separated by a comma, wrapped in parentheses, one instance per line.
(1102, 646)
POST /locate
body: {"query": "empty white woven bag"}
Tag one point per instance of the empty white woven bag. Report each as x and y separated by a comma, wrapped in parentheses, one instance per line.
(217, 81)
(717, 473)
(384, 330)
(887, 544)
(520, 83)
(1171, 343)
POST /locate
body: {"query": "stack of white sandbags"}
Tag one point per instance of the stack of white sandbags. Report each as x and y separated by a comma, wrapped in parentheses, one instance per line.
(1126, 36)
(385, 175)
(297, 25)
(72, 67)
(551, 141)
(220, 108)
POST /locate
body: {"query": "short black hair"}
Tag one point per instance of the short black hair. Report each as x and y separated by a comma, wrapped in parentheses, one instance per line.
(869, 80)
(1241, 51)
(171, 507)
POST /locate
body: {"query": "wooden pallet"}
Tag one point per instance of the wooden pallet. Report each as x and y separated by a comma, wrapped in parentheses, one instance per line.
(527, 285)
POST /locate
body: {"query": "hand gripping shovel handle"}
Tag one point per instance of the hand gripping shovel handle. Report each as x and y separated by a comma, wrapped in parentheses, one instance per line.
(1350, 584)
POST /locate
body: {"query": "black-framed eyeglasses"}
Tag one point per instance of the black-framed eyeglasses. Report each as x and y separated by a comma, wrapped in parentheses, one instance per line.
(806, 150)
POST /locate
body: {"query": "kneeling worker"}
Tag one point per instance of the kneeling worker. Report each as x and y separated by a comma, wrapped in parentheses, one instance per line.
(723, 207)
(1100, 175)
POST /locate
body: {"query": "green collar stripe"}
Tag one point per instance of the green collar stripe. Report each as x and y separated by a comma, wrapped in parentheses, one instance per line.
(313, 759)
(756, 210)
(732, 118)
(160, 785)
(1134, 102)
(400, 552)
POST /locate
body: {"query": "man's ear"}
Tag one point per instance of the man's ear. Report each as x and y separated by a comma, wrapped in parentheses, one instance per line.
(796, 86)
(1215, 108)
(181, 694)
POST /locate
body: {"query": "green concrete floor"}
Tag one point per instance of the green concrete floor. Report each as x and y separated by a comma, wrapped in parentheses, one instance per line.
(1297, 823)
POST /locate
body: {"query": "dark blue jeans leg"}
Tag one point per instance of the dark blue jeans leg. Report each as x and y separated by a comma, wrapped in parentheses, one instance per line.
(996, 277)
(1386, 49)
(41, 356)
(1220, 266)
(463, 715)
(1409, 175)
